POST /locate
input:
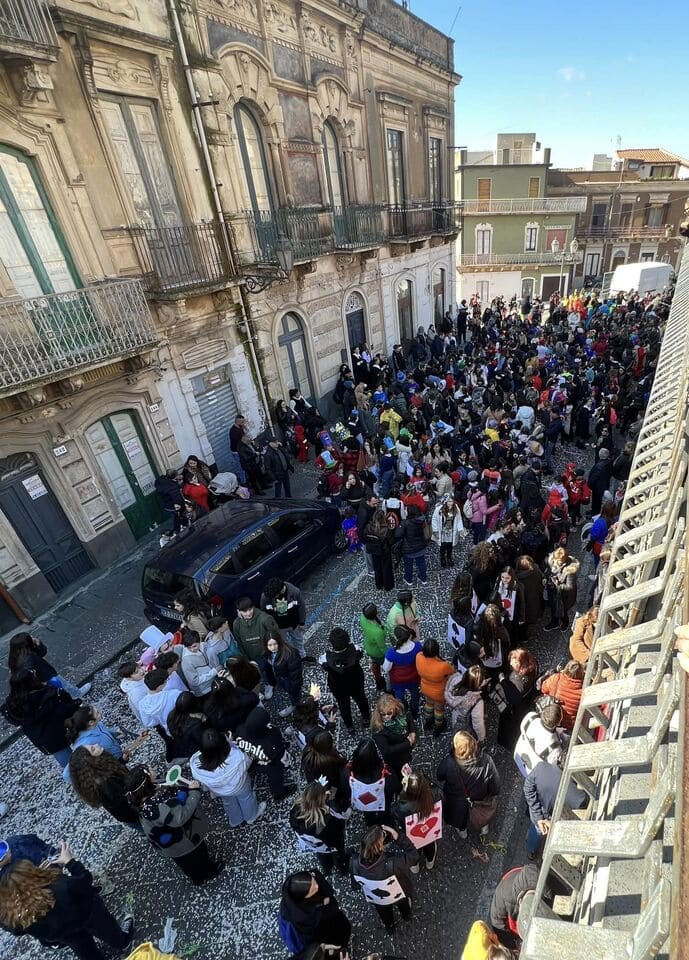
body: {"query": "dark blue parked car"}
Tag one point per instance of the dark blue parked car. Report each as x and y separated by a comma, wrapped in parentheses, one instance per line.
(236, 549)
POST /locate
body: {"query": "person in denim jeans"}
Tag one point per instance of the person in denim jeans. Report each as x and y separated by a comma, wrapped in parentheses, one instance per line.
(412, 534)
(224, 769)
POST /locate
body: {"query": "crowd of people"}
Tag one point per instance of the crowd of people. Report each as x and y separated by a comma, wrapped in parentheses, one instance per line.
(449, 441)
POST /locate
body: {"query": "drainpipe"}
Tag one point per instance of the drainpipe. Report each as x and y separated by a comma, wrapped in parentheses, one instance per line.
(224, 232)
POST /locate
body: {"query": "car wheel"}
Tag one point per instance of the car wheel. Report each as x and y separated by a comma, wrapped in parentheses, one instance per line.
(340, 541)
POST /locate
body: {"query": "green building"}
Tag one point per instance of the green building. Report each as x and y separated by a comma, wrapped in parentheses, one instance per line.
(514, 239)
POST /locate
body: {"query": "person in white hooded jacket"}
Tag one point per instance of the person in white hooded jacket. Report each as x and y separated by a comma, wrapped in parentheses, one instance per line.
(447, 528)
(156, 706)
(196, 667)
(224, 769)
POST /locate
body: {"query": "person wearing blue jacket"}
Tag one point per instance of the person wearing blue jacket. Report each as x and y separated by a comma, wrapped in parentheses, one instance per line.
(540, 791)
(85, 729)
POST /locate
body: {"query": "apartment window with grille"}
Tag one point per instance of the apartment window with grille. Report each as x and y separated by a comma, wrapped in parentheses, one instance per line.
(484, 236)
(654, 216)
(531, 238)
(435, 169)
(534, 186)
(395, 164)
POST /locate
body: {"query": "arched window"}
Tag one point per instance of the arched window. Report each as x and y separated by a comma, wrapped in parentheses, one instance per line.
(254, 160)
(484, 239)
(405, 309)
(333, 167)
(438, 285)
(618, 258)
(294, 360)
(355, 319)
(32, 248)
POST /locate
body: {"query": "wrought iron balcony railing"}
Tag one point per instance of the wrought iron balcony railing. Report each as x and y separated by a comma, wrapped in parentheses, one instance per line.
(43, 338)
(182, 258)
(486, 259)
(26, 30)
(256, 234)
(411, 221)
(358, 226)
(524, 205)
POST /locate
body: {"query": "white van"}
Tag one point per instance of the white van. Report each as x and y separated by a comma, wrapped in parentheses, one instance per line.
(644, 277)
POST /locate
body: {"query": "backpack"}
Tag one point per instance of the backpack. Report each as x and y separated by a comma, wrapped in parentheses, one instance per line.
(468, 509)
(289, 935)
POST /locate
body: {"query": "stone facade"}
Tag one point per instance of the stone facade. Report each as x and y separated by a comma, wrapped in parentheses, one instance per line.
(101, 122)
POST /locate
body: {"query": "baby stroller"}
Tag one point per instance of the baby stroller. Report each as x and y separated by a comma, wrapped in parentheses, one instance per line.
(225, 487)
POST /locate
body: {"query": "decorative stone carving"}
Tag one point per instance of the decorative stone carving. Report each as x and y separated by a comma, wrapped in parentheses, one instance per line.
(32, 85)
(240, 8)
(350, 46)
(123, 73)
(161, 76)
(71, 385)
(281, 21)
(84, 59)
(121, 8)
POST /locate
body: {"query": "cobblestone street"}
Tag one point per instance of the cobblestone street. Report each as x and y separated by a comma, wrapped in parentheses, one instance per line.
(235, 915)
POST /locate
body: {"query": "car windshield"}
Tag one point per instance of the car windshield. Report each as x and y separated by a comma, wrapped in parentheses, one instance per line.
(165, 582)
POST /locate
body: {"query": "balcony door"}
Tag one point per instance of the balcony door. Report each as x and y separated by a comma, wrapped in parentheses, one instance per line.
(405, 310)
(35, 256)
(438, 295)
(136, 138)
(126, 463)
(258, 187)
(335, 184)
(294, 359)
(32, 248)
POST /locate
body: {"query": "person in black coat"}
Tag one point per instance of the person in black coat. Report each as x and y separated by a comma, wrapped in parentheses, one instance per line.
(169, 489)
(319, 828)
(465, 774)
(394, 731)
(283, 669)
(263, 743)
(100, 780)
(40, 709)
(378, 540)
(345, 677)
(29, 653)
(186, 724)
(76, 917)
(599, 479)
(412, 534)
(227, 706)
(507, 899)
(308, 904)
(278, 465)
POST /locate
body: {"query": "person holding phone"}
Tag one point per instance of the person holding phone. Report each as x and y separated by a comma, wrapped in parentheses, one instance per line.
(58, 904)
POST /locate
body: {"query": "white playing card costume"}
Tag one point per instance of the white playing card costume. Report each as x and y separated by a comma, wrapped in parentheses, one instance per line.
(381, 892)
(310, 844)
(367, 796)
(456, 635)
(420, 831)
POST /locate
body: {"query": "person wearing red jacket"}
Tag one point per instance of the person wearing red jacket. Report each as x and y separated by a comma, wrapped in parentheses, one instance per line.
(574, 479)
(566, 687)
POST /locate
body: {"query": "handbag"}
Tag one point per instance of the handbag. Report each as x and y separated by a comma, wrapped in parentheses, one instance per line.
(481, 812)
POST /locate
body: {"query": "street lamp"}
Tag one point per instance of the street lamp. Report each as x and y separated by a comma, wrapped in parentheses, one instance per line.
(275, 273)
(573, 250)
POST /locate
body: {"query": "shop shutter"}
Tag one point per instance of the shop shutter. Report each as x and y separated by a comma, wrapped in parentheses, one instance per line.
(218, 408)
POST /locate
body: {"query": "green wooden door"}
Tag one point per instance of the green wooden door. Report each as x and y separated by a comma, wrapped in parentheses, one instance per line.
(126, 463)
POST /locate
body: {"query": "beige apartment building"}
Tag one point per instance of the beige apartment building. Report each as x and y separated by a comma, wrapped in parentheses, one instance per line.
(203, 205)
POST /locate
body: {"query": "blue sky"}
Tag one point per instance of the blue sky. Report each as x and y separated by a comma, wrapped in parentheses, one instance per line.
(577, 74)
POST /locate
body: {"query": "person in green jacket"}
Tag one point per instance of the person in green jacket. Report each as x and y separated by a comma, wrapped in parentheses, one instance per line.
(375, 641)
(404, 611)
(251, 630)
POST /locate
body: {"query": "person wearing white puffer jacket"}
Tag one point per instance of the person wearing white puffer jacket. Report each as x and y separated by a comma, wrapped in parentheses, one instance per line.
(224, 769)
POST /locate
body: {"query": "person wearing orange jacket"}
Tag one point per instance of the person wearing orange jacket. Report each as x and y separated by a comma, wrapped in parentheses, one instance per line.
(566, 687)
(433, 672)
